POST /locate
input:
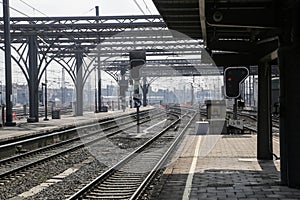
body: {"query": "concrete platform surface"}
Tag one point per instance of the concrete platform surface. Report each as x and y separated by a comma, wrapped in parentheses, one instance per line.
(222, 167)
(67, 121)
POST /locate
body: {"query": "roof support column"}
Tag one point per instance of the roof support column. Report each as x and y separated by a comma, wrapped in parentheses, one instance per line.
(290, 115)
(79, 84)
(8, 78)
(264, 124)
(99, 84)
(123, 87)
(33, 80)
(289, 65)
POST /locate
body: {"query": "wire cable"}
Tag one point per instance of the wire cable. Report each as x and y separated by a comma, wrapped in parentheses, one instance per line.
(18, 11)
(147, 7)
(90, 10)
(138, 5)
(33, 8)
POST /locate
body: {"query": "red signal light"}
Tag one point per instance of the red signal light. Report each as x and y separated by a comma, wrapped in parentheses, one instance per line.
(233, 77)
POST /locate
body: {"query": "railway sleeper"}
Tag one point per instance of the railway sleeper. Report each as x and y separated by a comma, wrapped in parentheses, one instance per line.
(110, 197)
(115, 191)
(119, 194)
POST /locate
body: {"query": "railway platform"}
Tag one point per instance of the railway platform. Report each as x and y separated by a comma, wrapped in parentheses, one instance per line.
(24, 129)
(222, 167)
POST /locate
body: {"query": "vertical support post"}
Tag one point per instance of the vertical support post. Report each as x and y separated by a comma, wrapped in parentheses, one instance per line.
(79, 84)
(138, 117)
(99, 70)
(253, 92)
(118, 99)
(63, 87)
(123, 87)
(145, 91)
(289, 63)
(96, 92)
(99, 84)
(235, 109)
(8, 76)
(192, 93)
(289, 115)
(250, 91)
(264, 121)
(33, 80)
(46, 98)
(136, 98)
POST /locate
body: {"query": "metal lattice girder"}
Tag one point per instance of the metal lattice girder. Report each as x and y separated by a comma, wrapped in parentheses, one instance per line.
(81, 19)
(177, 67)
(63, 37)
(73, 28)
(132, 44)
(111, 37)
(151, 40)
(92, 23)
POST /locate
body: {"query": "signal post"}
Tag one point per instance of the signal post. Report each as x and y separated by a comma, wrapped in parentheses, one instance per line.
(233, 78)
(137, 61)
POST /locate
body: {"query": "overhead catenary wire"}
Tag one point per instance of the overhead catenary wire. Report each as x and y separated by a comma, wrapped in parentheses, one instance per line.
(147, 7)
(90, 10)
(18, 11)
(140, 8)
(33, 8)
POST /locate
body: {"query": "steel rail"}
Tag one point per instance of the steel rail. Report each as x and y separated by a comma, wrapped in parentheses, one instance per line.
(28, 165)
(153, 172)
(48, 147)
(20, 141)
(121, 163)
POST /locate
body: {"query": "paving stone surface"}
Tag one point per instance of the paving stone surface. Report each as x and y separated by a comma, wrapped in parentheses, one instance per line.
(226, 168)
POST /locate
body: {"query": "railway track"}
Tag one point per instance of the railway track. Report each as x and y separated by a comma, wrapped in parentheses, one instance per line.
(24, 162)
(15, 169)
(32, 142)
(84, 126)
(251, 120)
(18, 163)
(128, 178)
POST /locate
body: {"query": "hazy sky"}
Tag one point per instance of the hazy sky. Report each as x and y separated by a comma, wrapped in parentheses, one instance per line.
(80, 7)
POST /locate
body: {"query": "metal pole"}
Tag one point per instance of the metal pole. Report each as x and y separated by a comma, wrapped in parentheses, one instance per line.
(8, 76)
(96, 108)
(46, 99)
(192, 93)
(33, 79)
(1, 102)
(99, 70)
(145, 91)
(63, 86)
(97, 10)
(235, 109)
(79, 84)
(137, 98)
(122, 88)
